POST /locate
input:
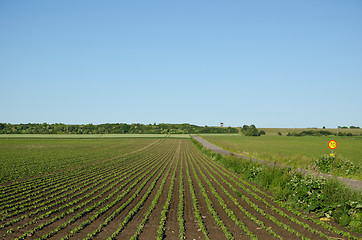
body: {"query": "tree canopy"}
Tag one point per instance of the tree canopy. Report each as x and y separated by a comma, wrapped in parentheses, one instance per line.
(110, 128)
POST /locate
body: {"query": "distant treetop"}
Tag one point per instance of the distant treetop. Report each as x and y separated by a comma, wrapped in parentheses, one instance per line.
(110, 128)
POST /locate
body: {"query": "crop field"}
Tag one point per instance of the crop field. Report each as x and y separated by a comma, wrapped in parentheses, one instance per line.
(24, 158)
(141, 189)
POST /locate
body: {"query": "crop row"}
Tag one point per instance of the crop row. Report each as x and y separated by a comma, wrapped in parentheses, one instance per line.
(32, 189)
(149, 174)
(28, 158)
(181, 207)
(166, 206)
(195, 204)
(132, 179)
(210, 207)
(238, 204)
(153, 203)
(110, 180)
(55, 180)
(229, 212)
(60, 192)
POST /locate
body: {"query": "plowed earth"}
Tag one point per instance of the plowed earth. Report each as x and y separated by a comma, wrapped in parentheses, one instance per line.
(166, 190)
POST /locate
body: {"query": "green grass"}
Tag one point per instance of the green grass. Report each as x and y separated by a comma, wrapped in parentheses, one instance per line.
(292, 151)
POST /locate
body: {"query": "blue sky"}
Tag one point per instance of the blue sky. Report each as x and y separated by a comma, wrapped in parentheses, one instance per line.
(268, 63)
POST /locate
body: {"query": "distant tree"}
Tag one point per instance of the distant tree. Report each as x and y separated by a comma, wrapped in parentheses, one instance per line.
(89, 127)
(250, 130)
(245, 127)
(125, 128)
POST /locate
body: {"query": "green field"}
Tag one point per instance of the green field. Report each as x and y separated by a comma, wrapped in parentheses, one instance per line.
(28, 157)
(292, 151)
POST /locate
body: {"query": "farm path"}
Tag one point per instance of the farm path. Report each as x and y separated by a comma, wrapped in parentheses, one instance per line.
(355, 184)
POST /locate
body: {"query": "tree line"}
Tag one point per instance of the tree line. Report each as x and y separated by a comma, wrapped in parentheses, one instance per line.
(110, 128)
(319, 133)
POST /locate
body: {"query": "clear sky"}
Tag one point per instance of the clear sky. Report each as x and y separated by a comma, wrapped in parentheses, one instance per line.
(268, 63)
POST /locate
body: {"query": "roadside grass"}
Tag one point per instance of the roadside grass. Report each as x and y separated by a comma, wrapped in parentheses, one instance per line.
(297, 152)
(327, 198)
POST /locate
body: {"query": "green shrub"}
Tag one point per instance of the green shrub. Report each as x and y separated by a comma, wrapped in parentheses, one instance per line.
(253, 171)
(336, 165)
(307, 191)
(311, 133)
(345, 220)
(324, 163)
(250, 130)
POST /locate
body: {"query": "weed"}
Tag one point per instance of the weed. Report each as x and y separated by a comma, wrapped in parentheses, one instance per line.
(336, 165)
